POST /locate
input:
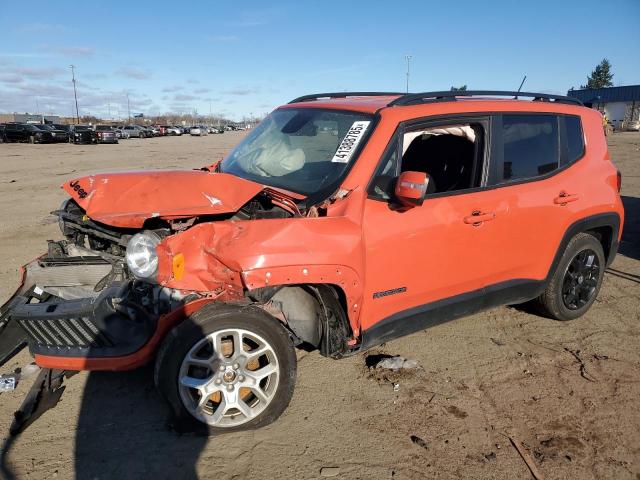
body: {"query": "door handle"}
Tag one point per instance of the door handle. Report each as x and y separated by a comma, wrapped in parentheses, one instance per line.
(477, 217)
(565, 198)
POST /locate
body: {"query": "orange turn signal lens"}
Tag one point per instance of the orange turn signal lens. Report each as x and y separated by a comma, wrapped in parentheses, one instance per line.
(177, 266)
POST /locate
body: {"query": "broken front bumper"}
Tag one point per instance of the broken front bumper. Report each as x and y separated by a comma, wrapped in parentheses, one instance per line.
(79, 312)
(110, 325)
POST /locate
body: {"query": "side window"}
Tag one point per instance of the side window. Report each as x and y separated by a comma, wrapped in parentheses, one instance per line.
(574, 139)
(530, 146)
(451, 154)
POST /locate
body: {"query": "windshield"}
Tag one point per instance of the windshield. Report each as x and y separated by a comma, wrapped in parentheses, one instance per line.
(301, 150)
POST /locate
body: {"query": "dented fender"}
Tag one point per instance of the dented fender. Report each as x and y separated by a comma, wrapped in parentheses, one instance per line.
(231, 257)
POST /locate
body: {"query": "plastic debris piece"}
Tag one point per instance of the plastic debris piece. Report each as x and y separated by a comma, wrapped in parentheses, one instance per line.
(7, 383)
(397, 363)
(329, 471)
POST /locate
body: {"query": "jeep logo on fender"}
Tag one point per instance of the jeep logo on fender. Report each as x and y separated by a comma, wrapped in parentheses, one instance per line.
(82, 193)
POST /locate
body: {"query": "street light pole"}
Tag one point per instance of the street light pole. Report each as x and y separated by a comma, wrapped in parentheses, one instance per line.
(128, 108)
(75, 95)
(408, 58)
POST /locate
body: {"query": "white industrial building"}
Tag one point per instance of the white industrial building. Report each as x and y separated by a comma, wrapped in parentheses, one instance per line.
(620, 104)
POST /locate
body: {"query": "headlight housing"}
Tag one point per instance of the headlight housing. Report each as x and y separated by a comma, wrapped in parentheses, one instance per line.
(142, 258)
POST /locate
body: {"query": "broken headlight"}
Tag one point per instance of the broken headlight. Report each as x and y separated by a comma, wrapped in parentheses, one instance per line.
(142, 258)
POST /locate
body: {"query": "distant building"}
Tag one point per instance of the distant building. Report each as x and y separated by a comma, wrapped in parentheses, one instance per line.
(620, 104)
(33, 118)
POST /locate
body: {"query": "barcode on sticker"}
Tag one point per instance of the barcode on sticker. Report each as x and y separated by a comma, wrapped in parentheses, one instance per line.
(350, 142)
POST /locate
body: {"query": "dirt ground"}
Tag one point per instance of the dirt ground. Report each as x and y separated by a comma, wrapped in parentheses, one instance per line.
(566, 392)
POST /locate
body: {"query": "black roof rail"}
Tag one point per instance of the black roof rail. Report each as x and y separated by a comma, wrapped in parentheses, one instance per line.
(316, 96)
(450, 96)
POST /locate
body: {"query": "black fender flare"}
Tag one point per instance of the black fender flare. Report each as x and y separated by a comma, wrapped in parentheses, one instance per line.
(610, 220)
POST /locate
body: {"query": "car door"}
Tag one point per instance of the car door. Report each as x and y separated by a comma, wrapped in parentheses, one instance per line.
(429, 262)
(528, 174)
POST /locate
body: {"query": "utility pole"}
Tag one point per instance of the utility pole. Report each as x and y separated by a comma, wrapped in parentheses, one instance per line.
(128, 108)
(75, 95)
(408, 59)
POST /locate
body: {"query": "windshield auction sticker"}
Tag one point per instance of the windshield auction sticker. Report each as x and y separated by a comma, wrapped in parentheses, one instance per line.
(350, 142)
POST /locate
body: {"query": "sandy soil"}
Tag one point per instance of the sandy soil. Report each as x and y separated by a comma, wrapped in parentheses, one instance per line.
(483, 378)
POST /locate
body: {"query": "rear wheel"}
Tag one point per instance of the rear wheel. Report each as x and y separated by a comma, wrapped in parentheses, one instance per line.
(577, 280)
(226, 368)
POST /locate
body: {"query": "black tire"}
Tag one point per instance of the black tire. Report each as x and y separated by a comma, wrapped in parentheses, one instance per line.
(557, 301)
(209, 319)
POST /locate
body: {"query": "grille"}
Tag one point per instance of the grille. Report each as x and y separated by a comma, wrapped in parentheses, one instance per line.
(65, 332)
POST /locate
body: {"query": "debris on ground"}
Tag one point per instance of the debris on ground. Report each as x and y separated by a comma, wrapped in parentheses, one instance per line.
(7, 382)
(329, 471)
(419, 441)
(397, 363)
(490, 456)
(583, 367)
(526, 457)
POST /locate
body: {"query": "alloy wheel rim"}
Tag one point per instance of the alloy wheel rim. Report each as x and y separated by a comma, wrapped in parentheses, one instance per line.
(580, 279)
(228, 377)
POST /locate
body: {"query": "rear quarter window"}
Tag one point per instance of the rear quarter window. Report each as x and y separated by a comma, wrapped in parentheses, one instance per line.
(574, 143)
(530, 146)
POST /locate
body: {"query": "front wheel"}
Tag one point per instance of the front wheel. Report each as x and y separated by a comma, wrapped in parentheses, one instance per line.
(577, 280)
(226, 368)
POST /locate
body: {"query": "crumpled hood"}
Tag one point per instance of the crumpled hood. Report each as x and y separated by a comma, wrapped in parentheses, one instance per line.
(128, 199)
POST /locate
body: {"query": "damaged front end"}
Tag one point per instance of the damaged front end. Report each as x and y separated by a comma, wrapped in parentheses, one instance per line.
(95, 300)
(80, 303)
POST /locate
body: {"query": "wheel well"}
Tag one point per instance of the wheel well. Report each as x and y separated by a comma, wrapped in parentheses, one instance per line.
(314, 313)
(604, 235)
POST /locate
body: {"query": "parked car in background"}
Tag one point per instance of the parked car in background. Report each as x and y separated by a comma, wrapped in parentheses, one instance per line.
(121, 134)
(634, 126)
(66, 128)
(25, 132)
(162, 129)
(135, 131)
(154, 131)
(173, 131)
(59, 135)
(106, 134)
(199, 131)
(84, 135)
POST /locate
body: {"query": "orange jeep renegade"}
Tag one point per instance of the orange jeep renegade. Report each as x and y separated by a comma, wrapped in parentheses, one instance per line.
(340, 222)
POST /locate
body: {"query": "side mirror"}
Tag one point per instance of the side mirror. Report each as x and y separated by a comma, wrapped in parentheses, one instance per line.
(411, 188)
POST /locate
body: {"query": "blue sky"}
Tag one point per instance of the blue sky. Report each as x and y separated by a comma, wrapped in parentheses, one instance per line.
(243, 58)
